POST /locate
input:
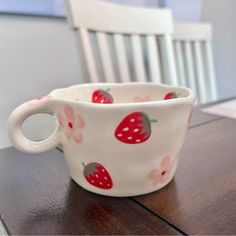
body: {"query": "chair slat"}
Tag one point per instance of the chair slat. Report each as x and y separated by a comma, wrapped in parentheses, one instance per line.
(122, 58)
(168, 60)
(190, 66)
(180, 63)
(198, 58)
(153, 60)
(83, 71)
(93, 73)
(210, 68)
(119, 19)
(138, 58)
(200, 72)
(106, 57)
(125, 47)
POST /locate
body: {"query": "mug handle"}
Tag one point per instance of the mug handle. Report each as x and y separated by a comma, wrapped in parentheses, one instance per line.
(20, 114)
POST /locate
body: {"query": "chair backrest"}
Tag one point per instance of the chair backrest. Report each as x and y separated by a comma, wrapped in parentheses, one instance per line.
(194, 60)
(123, 43)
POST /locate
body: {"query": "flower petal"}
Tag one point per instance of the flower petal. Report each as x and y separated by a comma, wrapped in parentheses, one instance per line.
(78, 138)
(70, 114)
(61, 120)
(38, 100)
(137, 99)
(80, 122)
(142, 99)
(153, 174)
(156, 181)
(165, 163)
(146, 99)
(171, 166)
(68, 133)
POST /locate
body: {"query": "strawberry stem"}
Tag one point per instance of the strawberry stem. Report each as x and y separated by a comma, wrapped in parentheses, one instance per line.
(108, 89)
(153, 120)
(83, 164)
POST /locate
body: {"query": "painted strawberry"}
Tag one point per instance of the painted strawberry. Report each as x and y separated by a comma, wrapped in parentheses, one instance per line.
(97, 175)
(134, 128)
(102, 96)
(171, 95)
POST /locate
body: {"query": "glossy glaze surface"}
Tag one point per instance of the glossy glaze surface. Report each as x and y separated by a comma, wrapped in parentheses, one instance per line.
(136, 144)
(38, 197)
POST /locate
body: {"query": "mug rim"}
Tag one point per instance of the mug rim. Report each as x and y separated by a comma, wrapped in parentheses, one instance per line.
(191, 98)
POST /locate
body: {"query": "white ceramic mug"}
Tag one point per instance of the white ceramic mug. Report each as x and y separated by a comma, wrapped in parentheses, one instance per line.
(118, 139)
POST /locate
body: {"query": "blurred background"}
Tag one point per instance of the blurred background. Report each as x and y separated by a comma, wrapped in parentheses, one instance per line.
(39, 53)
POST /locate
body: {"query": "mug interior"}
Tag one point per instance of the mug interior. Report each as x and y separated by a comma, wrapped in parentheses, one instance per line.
(105, 93)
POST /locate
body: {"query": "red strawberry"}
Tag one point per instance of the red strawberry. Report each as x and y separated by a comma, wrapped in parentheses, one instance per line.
(171, 95)
(134, 128)
(97, 175)
(102, 96)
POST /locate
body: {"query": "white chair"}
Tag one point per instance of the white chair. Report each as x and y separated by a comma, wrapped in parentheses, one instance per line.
(122, 43)
(194, 60)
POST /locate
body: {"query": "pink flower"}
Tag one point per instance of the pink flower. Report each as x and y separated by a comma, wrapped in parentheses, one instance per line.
(158, 176)
(71, 123)
(39, 100)
(142, 99)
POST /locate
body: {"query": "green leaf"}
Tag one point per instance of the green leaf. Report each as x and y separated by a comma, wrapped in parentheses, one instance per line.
(153, 120)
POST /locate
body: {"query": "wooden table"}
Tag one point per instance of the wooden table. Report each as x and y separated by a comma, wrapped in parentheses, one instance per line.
(37, 195)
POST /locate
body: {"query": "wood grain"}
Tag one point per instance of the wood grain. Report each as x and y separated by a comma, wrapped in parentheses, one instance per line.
(202, 197)
(37, 196)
